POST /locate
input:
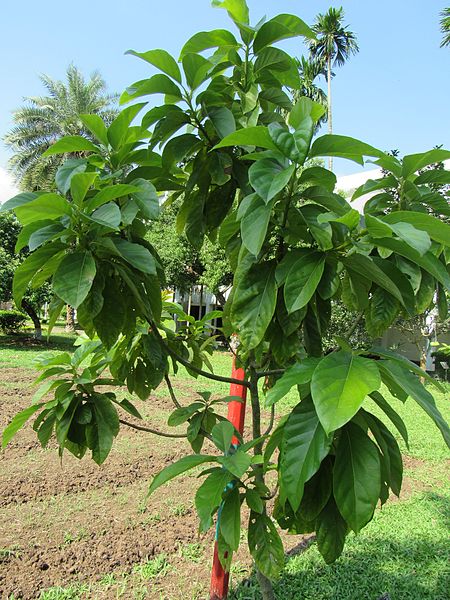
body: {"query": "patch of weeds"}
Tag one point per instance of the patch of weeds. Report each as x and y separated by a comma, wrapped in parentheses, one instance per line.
(152, 519)
(140, 593)
(192, 552)
(179, 510)
(12, 552)
(74, 592)
(69, 537)
(154, 567)
(108, 580)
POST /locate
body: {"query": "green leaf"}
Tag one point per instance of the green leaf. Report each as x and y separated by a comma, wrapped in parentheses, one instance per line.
(209, 496)
(356, 477)
(254, 501)
(230, 519)
(118, 130)
(111, 318)
(110, 193)
(438, 176)
(305, 444)
(80, 184)
(223, 120)
(108, 215)
(39, 237)
(18, 200)
(160, 59)
(178, 148)
(237, 9)
(147, 198)
(136, 255)
(305, 109)
(107, 421)
(254, 224)
(196, 68)
(157, 84)
(302, 281)
(222, 434)
(411, 385)
(181, 466)
(371, 185)
(250, 136)
(254, 303)
(70, 144)
(203, 40)
(265, 545)
(30, 267)
(47, 206)
(96, 126)
(339, 385)
(331, 531)
(67, 170)
(279, 28)
(318, 176)
(394, 417)
(74, 277)
(183, 413)
(237, 463)
(18, 422)
(414, 162)
(298, 374)
(268, 177)
(381, 312)
(344, 147)
(438, 230)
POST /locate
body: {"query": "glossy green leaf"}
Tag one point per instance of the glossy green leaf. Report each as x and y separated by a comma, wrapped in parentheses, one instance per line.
(222, 434)
(146, 198)
(183, 413)
(250, 136)
(394, 417)
(318, 176)
(136, 255)
(254, 224)
(157, 84)
(39, 237)
(160, 59)
(47, 206)
(108, 215)
(344, 147)
(438, 176)
(204, 40)
(268, 177)
(339, 385)
(107, 421)
(371, 185)
(237, 463)
(181, 466)
(331, 531)
(18, 422)
(70, 144)
(196, 68)
(109, 193)
(438, 230)
(18, 200)
(230, 519)
(411, 385)
(96, 126)
(356, 476)
(30, 266)
(279, 28)
(223, 120)
(302, 281)
(265, 545)
(305, 109)
(178, 148)
(237, 9)
(118, 130)
(209, 496)
(74, 276)
(381, 312)
(305, 444)
(414, 162)
(254, 303)
(298, 374)
(67, 170)
(80, 184)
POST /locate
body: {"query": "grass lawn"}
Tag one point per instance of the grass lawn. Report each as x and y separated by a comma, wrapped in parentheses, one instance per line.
(403, 554)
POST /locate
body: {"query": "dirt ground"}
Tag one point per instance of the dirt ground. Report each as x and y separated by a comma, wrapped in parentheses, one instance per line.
(71, 523)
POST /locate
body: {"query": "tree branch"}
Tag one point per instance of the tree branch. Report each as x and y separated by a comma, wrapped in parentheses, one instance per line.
(260, 374)
(271, 422)
(154, 431)
(171, 391)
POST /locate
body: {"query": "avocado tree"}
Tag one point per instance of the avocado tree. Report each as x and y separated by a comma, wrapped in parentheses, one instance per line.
(294, 246)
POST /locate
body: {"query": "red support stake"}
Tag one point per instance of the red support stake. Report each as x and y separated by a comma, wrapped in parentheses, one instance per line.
(236, 416)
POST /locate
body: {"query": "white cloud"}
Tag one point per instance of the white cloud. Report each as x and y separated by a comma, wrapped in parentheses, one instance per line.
(7, 187)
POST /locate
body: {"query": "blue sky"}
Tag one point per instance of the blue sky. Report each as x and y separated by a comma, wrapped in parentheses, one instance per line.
(393, 94)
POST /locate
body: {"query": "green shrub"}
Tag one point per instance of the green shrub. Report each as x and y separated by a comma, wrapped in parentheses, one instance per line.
(11, 321)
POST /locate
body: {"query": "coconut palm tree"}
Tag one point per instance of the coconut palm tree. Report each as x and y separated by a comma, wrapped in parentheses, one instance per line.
(309, 70)
(333, 46)
(445, 27)
(44, 119)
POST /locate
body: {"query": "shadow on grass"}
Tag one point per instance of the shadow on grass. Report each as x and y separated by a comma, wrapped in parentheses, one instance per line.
(24, 343)
(381, 565)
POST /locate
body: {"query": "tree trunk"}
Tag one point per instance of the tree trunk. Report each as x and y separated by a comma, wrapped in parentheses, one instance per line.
(423, 360)
(28, 308)
(265, 586)
(330, 119)
(70, 318)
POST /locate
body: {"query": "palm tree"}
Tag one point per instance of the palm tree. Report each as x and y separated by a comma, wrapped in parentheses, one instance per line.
(309, 70)
(333, 46)
(45, 119)
(445, 27)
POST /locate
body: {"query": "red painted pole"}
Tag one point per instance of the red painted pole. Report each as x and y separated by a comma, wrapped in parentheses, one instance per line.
(236, 415)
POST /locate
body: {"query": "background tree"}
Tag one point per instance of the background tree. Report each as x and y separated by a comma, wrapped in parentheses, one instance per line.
(310, 69)
(34, 299)
(45, 119)
(333, 46)
(445, 27)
